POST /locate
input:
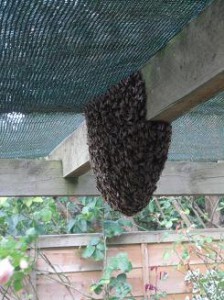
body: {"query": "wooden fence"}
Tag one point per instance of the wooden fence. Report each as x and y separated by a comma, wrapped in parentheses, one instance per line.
(145, 250)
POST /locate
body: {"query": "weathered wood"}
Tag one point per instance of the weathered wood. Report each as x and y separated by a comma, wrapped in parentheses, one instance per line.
(63, 259)
(146, 256)
(143, 237)
(45, 178)
(188, 71)
(145, 268)
(191, 178)
(81, 282)
(40, 177)
(74, 153)
(152, 255)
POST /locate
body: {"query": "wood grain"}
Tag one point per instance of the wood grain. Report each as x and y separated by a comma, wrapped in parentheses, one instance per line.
(74, 153)
(45, 178)
(147, 257)
(190, 69)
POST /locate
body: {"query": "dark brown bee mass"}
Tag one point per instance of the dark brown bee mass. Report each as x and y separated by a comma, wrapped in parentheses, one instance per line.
(127, 152)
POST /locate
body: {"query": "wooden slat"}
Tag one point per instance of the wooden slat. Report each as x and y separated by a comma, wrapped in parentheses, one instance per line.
(188, 71)
(69, 260)
(175, 251)
(150, 237)
(146, 257)
(178, 296)
(81, 281)
(175, 283)
(44, 177)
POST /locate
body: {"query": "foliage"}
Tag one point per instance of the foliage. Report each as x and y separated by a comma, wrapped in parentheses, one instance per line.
(47, 215)
(115, 287)
(16, 250)
(208, 286)
(19, 214)
(22, 220)
(85, 214)
(152, 218)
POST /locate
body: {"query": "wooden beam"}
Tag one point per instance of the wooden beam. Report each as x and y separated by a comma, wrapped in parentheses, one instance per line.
(74, 153)
(188, 71)
(40, 177)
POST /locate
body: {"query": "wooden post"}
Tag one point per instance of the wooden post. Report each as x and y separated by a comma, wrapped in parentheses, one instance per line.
(145, 268)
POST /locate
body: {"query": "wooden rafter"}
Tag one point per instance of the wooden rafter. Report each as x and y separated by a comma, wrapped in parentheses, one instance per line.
(74, 153)
(41, 177)
(188, 71)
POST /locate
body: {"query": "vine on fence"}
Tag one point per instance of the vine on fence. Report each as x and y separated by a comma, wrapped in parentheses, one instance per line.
(86, 214)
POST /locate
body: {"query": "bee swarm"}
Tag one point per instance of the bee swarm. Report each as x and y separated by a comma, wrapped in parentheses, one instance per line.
(127, 152)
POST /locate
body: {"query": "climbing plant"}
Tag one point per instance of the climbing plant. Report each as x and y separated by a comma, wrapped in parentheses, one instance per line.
(34, 216)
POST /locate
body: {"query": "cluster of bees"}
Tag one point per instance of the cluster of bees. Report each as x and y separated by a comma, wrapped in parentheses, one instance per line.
(127, 152)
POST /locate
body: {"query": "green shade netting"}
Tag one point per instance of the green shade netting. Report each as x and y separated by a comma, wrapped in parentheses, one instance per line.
(56, 55)
(199, 135)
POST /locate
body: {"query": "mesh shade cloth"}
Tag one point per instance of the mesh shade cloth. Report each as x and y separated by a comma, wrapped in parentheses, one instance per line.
(57, 55)
(199, 135)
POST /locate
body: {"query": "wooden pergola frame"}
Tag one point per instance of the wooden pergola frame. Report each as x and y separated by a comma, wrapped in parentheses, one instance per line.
(188, 71)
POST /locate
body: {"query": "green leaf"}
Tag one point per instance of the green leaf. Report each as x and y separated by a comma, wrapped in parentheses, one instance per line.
(88, 252)
(123, 289)
(122, 277)
(38, 199)
(100, 246)
(3, 200)
(209, 240)
(120, 262)
(71, 224)
(31, 235)
(104, 281)
(28, 201)
(168, 224)
(185, 254)
(31, 232)
(167, 255)
(37, 215)
(18, 285)
(85, 210)
(46, 215)
(94, 241)
(112, 228)
(83, 225)
(187, 211)
(96, 288)
(98, 255)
